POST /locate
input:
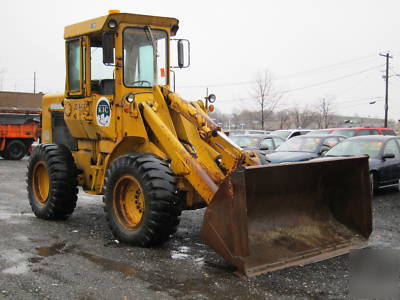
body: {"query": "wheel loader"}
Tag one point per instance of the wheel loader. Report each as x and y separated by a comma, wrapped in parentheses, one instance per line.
(120, 131)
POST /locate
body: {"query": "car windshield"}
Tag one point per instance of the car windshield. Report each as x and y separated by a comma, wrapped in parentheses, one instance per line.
(345, 132)
(282, 133)
(246, 141)
(356, 147)
(300, 144)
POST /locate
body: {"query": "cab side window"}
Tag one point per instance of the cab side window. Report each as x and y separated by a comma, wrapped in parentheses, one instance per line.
(74, 66)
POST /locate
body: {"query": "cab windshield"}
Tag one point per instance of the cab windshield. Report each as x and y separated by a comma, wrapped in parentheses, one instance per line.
(145, 53)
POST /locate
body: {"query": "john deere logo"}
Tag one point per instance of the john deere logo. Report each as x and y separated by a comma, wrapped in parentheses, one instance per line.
(103, 112)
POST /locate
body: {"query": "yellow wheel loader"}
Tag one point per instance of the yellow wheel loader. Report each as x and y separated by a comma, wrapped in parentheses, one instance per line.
(120, 131)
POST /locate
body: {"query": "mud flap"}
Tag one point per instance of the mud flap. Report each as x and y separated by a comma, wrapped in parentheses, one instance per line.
(266, 218)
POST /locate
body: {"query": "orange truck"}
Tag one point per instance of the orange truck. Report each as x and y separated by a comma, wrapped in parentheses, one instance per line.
(19, 128)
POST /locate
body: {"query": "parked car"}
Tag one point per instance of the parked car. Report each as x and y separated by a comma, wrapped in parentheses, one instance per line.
(349, 132)
(321, 131)
(289, 133)
(302, 148)
(263, 143)
(384, 157)
(248, 131)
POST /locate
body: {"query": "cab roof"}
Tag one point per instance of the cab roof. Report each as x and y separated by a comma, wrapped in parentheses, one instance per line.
(100, 23)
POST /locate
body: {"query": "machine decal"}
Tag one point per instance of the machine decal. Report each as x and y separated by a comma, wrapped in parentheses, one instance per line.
(103, 112)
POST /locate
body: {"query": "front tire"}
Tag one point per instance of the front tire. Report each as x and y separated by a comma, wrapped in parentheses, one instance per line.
(15, 150)
(140, 200)
(52, 185)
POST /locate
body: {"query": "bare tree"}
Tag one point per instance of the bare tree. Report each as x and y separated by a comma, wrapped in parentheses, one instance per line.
(266, 95)
(324, 109)
(283, 117)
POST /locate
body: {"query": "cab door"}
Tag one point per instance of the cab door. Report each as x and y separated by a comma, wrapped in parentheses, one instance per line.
(76, 107)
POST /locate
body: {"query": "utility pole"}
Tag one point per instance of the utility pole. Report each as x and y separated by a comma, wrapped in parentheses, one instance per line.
(387, 86)
(34, 82)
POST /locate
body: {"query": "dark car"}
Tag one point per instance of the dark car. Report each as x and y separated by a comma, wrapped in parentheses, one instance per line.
(384, 157)
(263, 143)
(302, 148)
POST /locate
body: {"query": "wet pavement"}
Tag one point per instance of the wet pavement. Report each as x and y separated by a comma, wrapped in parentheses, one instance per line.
(79, 259)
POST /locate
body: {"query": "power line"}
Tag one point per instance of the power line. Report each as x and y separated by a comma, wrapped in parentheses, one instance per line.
(279, 78)
(330, 80)
(316, 84)
(329, 66)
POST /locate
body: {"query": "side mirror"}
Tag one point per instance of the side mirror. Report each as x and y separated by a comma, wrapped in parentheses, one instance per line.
(107, 41)
(387, 155)
(183, 56)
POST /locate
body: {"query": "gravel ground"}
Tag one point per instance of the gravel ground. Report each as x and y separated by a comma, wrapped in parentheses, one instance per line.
(78, 258)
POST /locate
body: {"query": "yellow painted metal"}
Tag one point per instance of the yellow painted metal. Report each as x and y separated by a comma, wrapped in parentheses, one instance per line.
(129, 203)
(41, 182)
(182, 162)
(100, 24)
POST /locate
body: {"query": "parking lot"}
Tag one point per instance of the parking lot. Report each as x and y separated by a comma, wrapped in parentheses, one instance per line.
(78, 258)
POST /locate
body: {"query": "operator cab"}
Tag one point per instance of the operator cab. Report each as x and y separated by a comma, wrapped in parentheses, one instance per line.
(127, 49)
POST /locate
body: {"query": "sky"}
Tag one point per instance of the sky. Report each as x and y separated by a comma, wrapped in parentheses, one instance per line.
(313, 49)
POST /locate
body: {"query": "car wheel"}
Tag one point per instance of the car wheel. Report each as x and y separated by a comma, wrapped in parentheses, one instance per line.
(15, 150)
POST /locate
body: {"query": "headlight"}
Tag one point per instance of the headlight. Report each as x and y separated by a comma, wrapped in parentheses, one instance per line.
(212, 98)
(112, 24)
(130, 97)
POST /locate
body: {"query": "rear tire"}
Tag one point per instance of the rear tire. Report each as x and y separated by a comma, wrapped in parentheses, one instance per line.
(52, 185)
(140, 200)
(15, 150)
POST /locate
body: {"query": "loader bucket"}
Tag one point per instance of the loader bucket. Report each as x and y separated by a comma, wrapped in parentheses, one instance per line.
(266, 218)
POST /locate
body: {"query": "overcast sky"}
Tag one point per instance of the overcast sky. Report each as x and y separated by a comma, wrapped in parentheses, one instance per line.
(314, 49)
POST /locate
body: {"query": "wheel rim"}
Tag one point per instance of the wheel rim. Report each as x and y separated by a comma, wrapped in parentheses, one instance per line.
(41, 182)
(129, 202)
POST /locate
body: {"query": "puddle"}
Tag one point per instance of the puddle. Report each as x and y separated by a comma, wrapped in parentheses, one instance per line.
(181, 253)
(59, 248)
(109, 264)
(52, 250)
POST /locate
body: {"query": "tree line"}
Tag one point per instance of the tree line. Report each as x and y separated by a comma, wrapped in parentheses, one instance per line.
(268, 115)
